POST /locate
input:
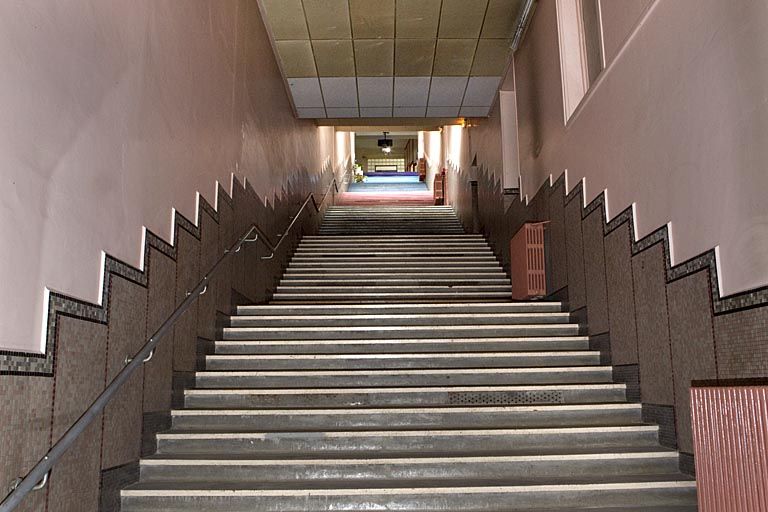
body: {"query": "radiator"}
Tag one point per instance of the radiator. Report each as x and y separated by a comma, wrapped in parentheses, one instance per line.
(527, 262)
(730, 432)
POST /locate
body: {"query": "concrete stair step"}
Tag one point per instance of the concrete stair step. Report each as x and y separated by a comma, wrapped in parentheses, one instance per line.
(455, 289)
(499, 498)
(389, 282)
(413, 308)
(548, 416)
(385, 251)
(433, 396)
(352, 277)
(415, 281)
(406, 269)
(383, 229)
(424, 442)
(312, 332)
(400, 319)
(420, 377)
(394, 361)
(402, 346)
(512, 469)
(393, 256)
(376, 298)
(393, 239)
(436, 245)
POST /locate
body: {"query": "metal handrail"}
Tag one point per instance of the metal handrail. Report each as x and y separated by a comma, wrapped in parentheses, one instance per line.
(38, 475)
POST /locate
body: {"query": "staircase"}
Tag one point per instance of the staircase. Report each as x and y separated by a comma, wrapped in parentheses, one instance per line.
(391, 371)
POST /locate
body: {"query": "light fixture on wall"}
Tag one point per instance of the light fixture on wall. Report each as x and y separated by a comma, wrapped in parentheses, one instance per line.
(385, 144)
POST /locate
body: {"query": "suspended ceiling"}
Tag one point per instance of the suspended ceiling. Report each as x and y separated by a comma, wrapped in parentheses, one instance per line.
(392, 58)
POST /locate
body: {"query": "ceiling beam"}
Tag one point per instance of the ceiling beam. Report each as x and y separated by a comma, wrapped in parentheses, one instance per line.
(390, 124)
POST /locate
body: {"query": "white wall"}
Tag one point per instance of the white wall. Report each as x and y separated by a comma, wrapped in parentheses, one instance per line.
(112, 113)
(677, 123)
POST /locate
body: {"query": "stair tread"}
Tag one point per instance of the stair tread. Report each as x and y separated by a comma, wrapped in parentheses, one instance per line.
(633, 481)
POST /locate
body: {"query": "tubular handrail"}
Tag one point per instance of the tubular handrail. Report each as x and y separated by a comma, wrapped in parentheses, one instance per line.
(38, 476)
(294, 218)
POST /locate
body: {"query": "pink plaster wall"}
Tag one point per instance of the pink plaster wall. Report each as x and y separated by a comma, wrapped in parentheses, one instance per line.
(112, 113)
(486, 142)
(620, 17)
(677, 123)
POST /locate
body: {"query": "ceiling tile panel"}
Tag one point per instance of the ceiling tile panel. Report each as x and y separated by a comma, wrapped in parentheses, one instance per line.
(462, 18)
(442, 111)
(418, 19)
(296, 58)
(376, 112)
(501, 18)
(411, 91)
(310, 113)
(414, 57)
(410, 111)
(447, 91)
(286, 19)
(481, 90)
(328, 19)
(334, 58)
(474, 111)
(372, 19)
(407, 55)
(375, 91)
(375, 57)
(339, 92)
(491, 57)
(454, 57)
(342, 112)
(306, 92)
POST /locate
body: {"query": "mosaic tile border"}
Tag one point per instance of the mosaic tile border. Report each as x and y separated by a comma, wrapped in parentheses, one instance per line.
(20, 363)
(703, 262)
(33, 364)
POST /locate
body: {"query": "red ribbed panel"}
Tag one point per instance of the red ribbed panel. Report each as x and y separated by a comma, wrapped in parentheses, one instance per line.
(730, 432)
(527, 263)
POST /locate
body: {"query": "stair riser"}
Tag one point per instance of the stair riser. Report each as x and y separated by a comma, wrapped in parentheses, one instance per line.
(407, 269)
(402, 320)
(426, 444)
(513, 472)
(511, 307)
(412, 378)
(414, 283)
(349, 362)
(237, 399)
(395, 265)
(412, 332)
(395, 347)
(393, 258)
(324, 420)
(448, 500)
(392, 252)
(409, 277)
(389, 287)
(299, 299)
(368, 230)
(445, 246)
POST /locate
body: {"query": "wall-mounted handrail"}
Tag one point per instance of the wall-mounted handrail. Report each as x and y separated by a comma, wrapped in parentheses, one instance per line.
(39, 474)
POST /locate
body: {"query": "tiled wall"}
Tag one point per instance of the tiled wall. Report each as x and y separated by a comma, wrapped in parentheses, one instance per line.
(666, 327)
(90, 343)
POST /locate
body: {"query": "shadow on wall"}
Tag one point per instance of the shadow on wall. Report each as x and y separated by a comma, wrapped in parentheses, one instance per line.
(662, 326)
(42, 396)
